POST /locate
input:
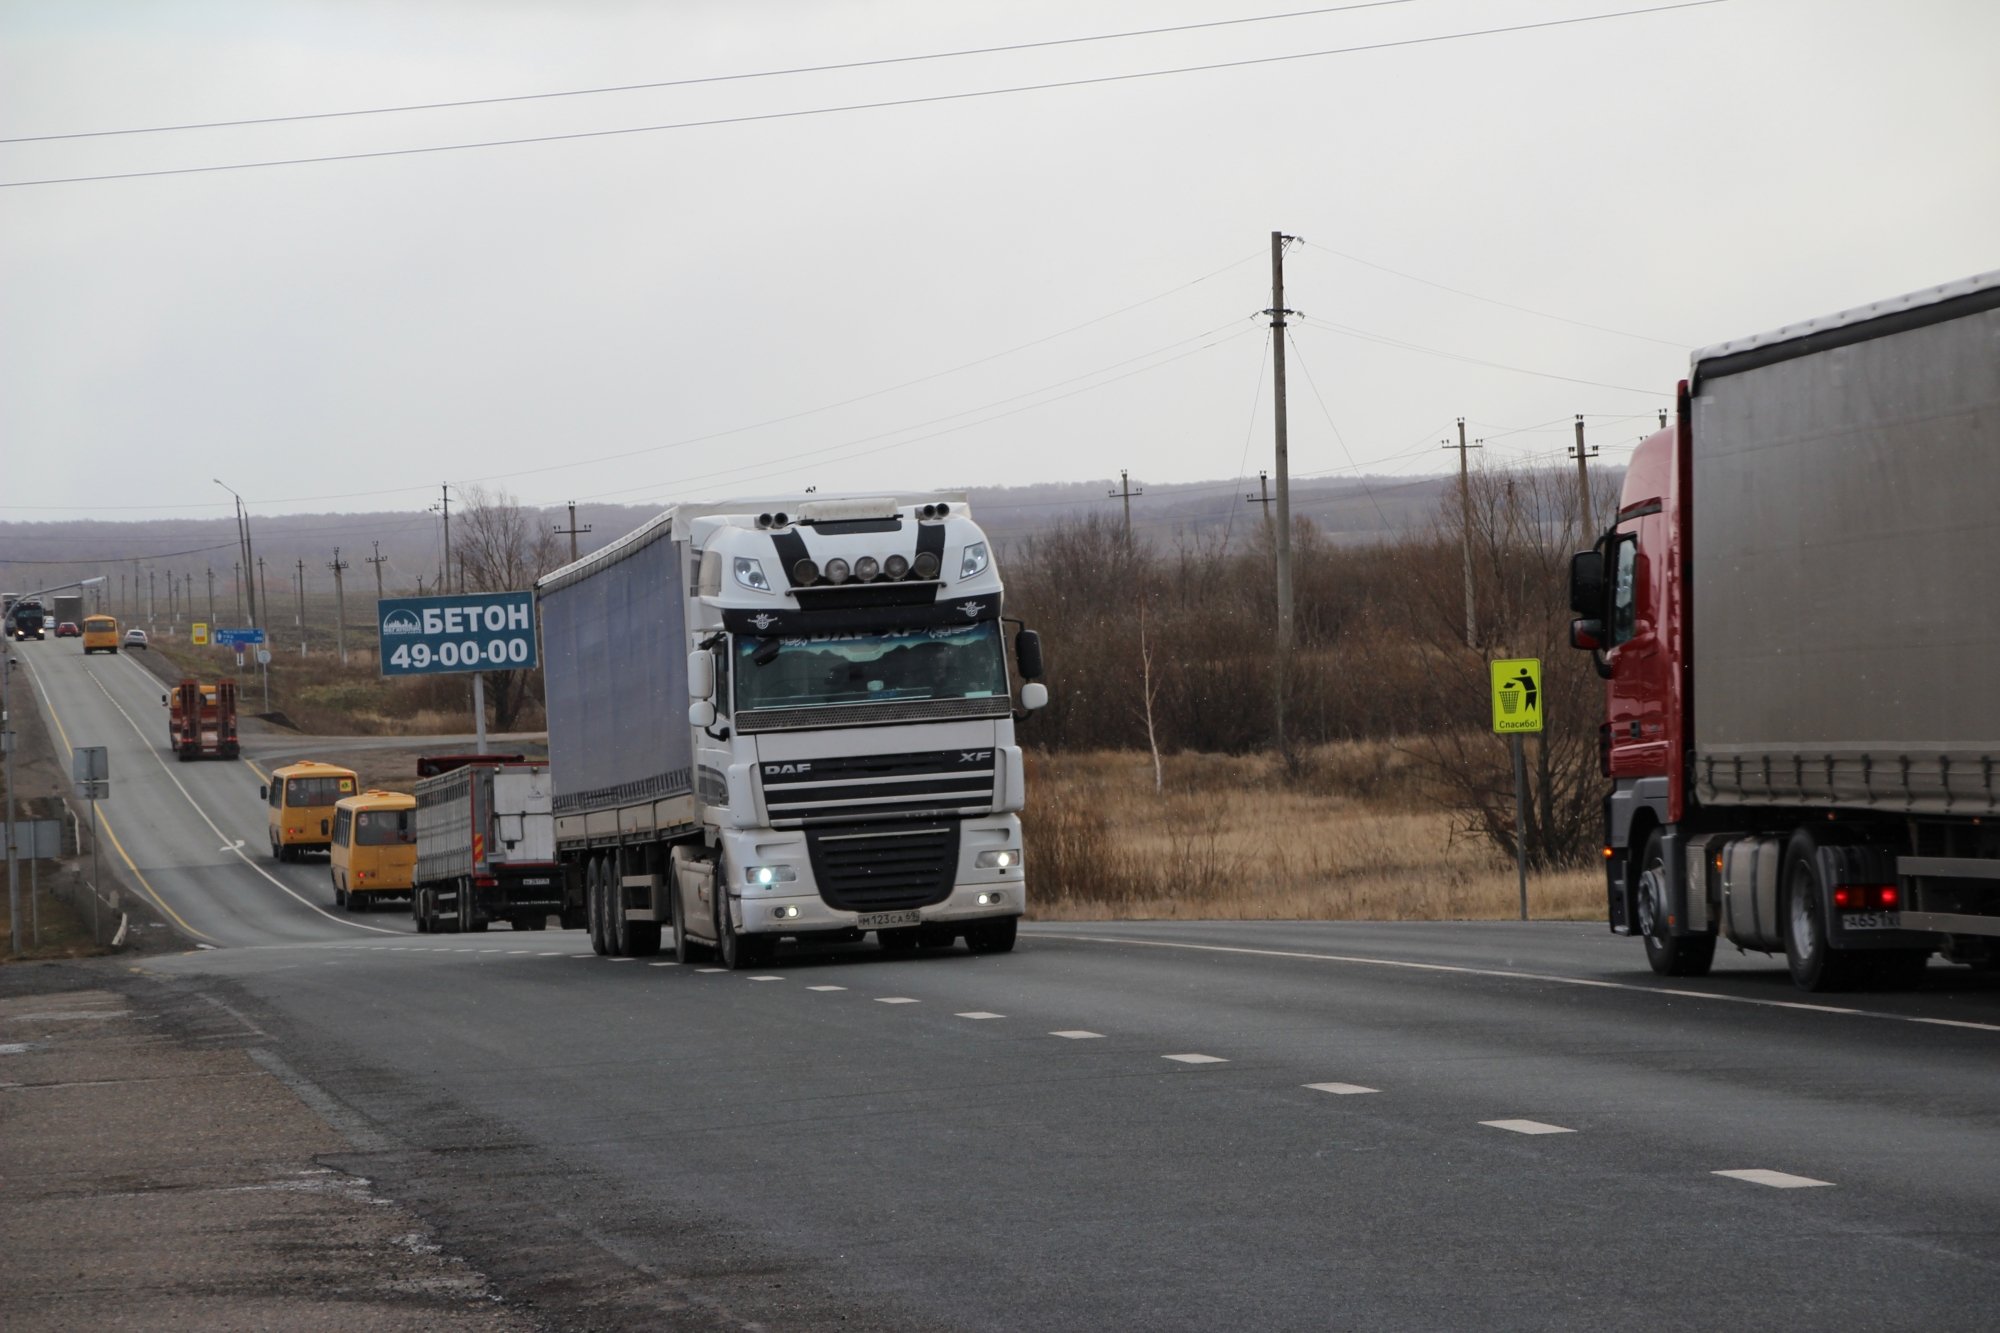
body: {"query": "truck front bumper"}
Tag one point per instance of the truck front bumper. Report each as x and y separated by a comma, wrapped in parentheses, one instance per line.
(795, 907)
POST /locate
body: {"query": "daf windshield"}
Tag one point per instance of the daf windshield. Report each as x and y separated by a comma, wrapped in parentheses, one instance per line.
(815, 670)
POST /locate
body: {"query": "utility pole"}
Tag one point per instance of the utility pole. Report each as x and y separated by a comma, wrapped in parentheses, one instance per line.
(1465, 522)
(302, 608)
(572, 530)
(377, 560)
(1125, 489)
(236, 576)
(211, 596)
(339, 566)
(1277, 312)
(444, 570)
(152, 598)
(264, 593)
(1582, 458)
(1263, 496)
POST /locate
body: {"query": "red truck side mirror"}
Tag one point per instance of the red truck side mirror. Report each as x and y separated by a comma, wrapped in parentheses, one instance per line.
(1587, 635)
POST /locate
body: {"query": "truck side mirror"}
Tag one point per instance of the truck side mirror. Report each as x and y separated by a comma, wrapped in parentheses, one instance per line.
(701, 713)
(263, 793)
(1034, 695)
(1586, 583)
(1028, 651)
(1586, 634)
(701, 676)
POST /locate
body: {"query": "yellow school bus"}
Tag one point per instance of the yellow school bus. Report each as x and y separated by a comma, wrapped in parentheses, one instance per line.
(302, 797)
(100, 633)
(374, 850)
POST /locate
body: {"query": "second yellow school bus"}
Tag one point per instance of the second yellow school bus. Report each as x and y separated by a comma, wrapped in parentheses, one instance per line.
(374, 850)
(301, 797)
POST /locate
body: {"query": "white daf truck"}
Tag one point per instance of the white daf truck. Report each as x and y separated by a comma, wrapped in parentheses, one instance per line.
(788, 718)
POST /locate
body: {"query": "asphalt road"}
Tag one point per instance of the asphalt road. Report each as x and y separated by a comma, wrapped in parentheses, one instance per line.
(1158, 1126)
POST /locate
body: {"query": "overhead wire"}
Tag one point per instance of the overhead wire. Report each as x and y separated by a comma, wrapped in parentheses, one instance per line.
(877, 105)
(875, 63)
(1364, 335)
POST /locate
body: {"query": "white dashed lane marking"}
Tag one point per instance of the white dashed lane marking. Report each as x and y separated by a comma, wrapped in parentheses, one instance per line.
(669, 963)
(1526, 1127)
(826, 988)
(1777, 1180)
(1340, 1089)
(711, 969)
(895, 999)
(1076, 1034)
(767, 978)
(979, 1013)
(1193, 1059)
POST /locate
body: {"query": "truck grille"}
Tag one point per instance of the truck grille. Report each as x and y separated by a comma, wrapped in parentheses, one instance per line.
(884, 869)
(878, 786)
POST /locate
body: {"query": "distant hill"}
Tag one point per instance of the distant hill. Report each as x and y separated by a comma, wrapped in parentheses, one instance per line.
(410, 544)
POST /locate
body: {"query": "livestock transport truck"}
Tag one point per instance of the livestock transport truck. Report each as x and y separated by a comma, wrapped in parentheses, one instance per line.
(788, 718)
(1795, 616)
(485, 844)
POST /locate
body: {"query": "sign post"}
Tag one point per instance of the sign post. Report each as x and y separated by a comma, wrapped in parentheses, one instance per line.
(1517, 710)
(475, 632)
(90, 766)
(44, 844)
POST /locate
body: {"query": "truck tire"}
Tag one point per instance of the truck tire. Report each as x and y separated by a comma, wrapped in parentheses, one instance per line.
(992, 936)
(1669, 955)
(732, 950)
(1815, 964)
(593, 892)
(617, 927)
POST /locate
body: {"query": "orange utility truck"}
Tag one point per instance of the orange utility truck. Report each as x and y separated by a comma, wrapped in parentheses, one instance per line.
(201, 720)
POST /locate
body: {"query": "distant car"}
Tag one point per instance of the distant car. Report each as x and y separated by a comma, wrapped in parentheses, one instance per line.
(135, 638)
(68, 630)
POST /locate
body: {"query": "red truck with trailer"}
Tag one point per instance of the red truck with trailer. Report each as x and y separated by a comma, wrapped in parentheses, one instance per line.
(201, 720)
(1794, 615)
(486, 848)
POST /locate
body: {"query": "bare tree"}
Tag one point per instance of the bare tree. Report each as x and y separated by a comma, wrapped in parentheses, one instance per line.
(502, 547)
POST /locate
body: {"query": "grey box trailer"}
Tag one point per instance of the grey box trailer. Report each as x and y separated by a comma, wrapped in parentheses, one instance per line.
(485, 845)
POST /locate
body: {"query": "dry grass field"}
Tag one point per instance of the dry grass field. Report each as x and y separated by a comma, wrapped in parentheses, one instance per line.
(1353, 836)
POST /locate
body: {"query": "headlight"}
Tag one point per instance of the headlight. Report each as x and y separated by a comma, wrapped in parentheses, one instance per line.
(974, 560)
(926, 565)
(765, 876)
(837, 570)
(895, 566)
(1000, 860)
(866, 568)
(750, 573)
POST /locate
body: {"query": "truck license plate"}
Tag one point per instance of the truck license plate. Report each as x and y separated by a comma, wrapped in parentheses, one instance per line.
(537, 883)
(877, 920)
(1871, 920)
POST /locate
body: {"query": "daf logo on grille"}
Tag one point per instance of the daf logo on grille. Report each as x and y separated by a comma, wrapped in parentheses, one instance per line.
(971, 609)
(974, 756)
(773, 770)
(763, 620)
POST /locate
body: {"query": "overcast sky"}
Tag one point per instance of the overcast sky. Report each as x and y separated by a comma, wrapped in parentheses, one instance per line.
(1034, 286)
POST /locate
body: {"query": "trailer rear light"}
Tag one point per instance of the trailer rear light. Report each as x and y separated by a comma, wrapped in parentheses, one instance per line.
(1891, 896)
(485, 882)
(1609, 853)
(1847, 897)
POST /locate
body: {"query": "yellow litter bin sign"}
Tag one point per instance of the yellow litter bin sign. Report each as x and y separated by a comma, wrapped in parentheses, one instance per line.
(198, 633)
(1517, 695)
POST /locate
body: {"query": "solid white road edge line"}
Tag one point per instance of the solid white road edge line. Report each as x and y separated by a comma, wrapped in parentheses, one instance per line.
(1505, 975)
(234, 846)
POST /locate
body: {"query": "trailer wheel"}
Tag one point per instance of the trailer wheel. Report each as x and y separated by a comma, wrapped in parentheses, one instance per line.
(593, 897)
(1816, 965)
(1670, 955)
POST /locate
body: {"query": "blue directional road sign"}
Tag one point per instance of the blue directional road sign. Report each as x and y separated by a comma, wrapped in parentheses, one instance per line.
(237, 638)
(474, 631)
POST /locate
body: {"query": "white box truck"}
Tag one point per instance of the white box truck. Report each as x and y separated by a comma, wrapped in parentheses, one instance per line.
(788, 718)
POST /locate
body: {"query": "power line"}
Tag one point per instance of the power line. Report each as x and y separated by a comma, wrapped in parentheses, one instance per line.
(1508, 305)
(115, 559)
(704, 79)
(932, 99)
(1364, 335)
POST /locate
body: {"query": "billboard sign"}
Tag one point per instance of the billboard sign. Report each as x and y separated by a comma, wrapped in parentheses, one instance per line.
(474, 631)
